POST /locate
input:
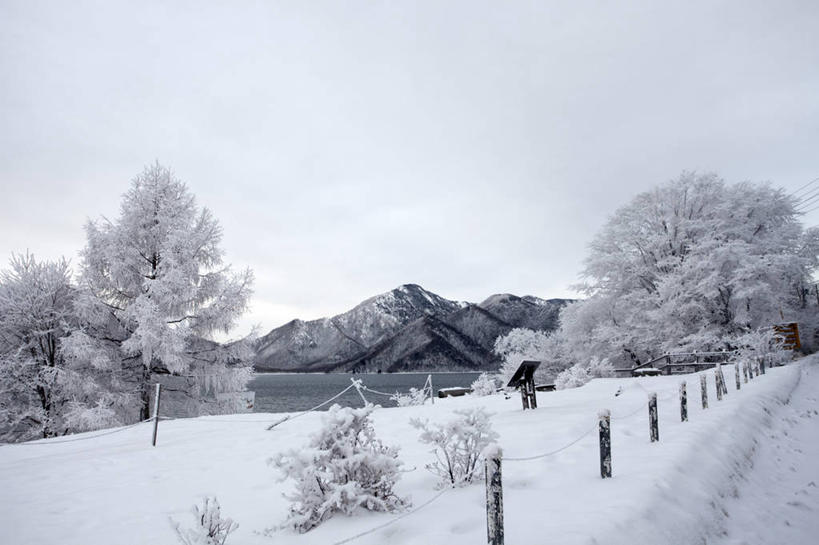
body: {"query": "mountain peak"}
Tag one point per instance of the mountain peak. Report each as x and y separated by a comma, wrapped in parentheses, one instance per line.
(393, 331)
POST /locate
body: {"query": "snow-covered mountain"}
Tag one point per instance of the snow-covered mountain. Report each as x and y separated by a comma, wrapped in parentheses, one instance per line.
(408, 328)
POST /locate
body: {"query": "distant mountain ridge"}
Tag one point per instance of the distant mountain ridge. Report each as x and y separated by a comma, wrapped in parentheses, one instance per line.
(406, 329)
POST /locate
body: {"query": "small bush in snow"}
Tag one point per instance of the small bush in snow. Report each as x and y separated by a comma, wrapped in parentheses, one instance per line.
(414, 397)
(484, 385)
(457, 445)
(210, 529)
(343, 468)
(581, 373)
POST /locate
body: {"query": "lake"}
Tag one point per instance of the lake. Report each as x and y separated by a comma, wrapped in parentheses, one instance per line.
(298, 392)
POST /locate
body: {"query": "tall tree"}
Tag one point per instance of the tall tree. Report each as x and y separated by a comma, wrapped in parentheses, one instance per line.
(36, 300)
(154, 290)
(690, 265)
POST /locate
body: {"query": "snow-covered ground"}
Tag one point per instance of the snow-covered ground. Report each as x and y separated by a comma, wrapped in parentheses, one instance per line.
(744, 471)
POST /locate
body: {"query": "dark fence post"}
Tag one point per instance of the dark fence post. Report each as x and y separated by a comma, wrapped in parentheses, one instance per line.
(704, 390)
(762, 365)
(719, 385)
(653, 424)
(736, 374)
(683, 403)
(156, 412)
(494, 495)
(745, 372)
(605, 443)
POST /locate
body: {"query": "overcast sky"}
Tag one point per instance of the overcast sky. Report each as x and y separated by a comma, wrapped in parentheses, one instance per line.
(350, 147)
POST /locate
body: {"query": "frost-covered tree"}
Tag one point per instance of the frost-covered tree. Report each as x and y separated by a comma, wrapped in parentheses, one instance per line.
(344, 468)
(153, 291)
(457, 444)
(687, 266)
(581, 373)
(762, 346)
(36, 313)
(523, 344)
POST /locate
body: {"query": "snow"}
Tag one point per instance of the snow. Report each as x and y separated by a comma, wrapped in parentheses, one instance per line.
(707, 480)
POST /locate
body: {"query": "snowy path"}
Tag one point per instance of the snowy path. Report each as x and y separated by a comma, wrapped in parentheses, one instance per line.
(779, 501)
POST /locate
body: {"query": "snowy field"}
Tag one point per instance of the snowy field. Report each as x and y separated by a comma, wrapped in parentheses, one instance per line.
(743, 471)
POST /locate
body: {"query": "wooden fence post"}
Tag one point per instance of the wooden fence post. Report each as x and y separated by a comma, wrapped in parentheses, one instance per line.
(745, 371)
(494, 495)
(736, 374)
(653, 423)
(683, 403)
(605, 443)
(719, 385)
(722, 384)
(156, 412)
(704, 390)
(762, 365)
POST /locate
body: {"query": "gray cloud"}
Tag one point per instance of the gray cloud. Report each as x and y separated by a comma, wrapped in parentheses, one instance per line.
(471, 147)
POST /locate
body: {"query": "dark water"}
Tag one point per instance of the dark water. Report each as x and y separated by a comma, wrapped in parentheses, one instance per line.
(299, 392)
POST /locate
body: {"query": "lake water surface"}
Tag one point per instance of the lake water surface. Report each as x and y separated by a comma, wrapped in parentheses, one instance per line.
(299, 392)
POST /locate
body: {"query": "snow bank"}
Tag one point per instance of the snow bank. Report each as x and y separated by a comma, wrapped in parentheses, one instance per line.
(85, 492)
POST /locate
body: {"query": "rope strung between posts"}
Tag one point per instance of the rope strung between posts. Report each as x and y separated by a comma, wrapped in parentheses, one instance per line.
(569, 444)
(550, 453)
(320, 405)
(368, 389)
(393, 521)
(109, 432)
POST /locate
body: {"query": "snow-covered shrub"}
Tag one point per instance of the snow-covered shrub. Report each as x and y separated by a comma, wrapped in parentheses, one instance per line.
(484, 385)
(457, 444)
(581, 373)
(210, 528)
(343, 468)
(415, 396)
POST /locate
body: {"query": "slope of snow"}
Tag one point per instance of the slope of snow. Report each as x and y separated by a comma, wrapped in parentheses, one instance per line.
(116, 488)
(784, 480)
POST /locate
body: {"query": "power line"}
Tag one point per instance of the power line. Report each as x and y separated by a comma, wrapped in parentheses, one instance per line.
(795, 193)
(807, 199)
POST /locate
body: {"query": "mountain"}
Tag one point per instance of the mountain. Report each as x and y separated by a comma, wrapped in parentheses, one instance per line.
(529, 312)
(408, 328)
(321, 345)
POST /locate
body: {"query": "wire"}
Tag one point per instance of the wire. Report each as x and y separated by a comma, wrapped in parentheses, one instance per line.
(286, 418)
(552, 452)
(110, 432)
(804, 186)
(808, 199)
(377, 392)
(396, 519)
